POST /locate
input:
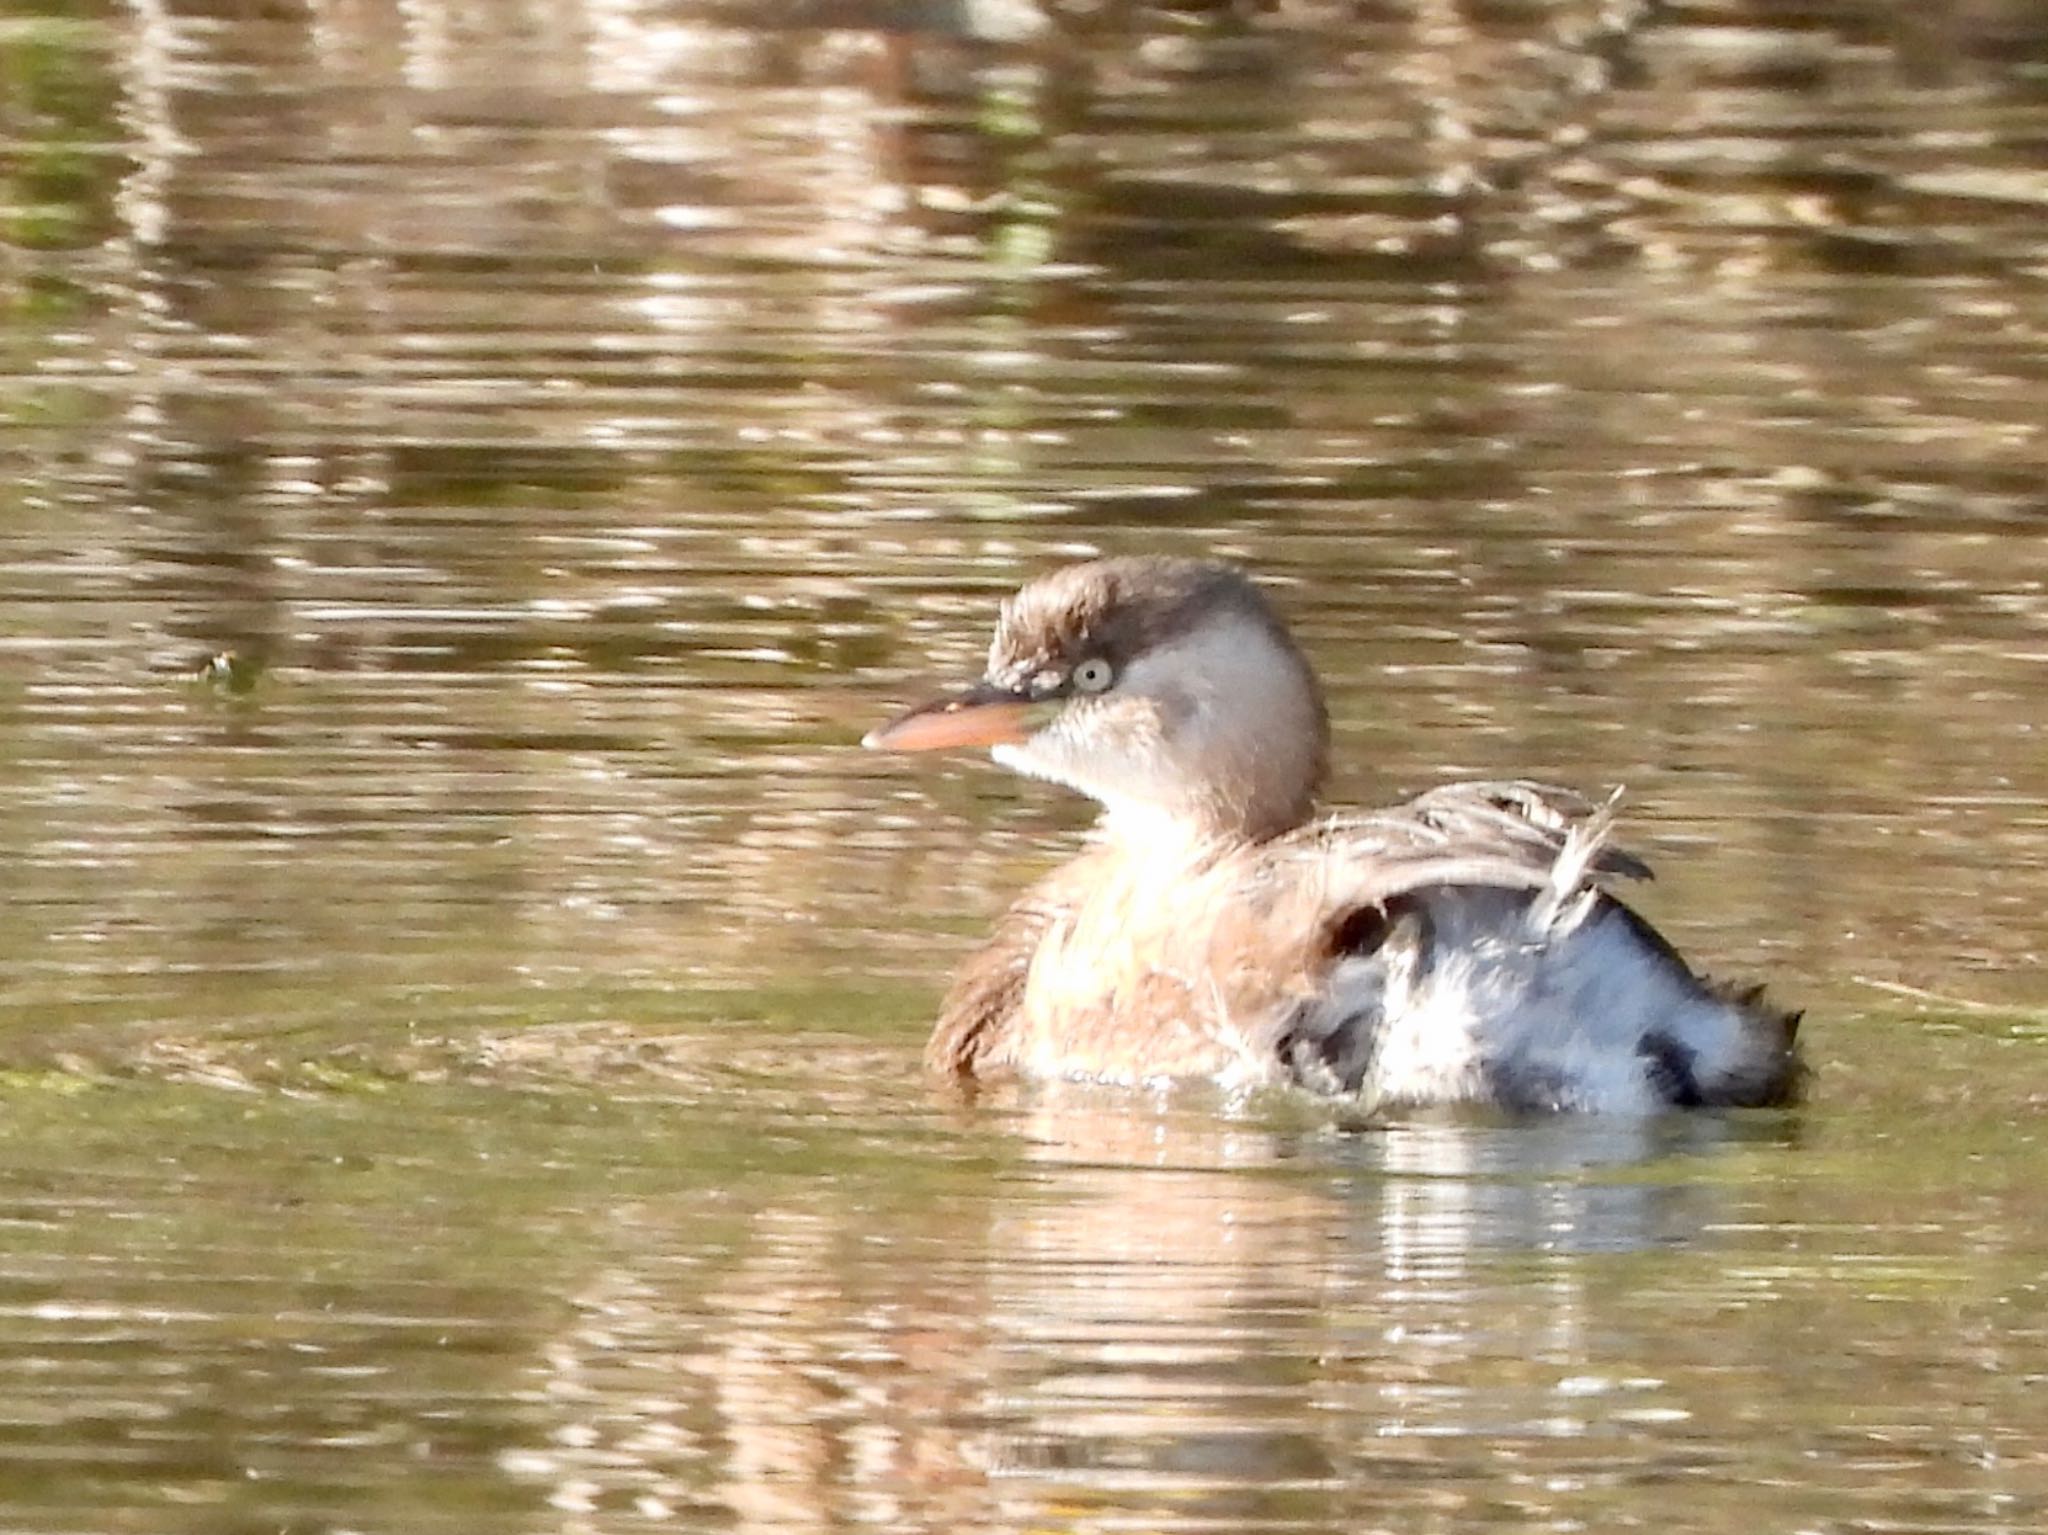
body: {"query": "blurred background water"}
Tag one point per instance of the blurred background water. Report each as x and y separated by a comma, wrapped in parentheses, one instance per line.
(470, 471)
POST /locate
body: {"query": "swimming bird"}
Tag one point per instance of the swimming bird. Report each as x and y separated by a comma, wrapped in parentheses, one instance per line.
(1462, 947)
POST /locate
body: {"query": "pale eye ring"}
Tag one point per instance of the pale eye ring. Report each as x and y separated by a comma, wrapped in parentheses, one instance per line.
(1093, 675)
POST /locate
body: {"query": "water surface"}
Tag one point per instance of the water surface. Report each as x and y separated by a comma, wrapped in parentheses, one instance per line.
(469, 475)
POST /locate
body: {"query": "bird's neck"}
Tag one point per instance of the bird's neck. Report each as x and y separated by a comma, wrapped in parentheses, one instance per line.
(1218, 822)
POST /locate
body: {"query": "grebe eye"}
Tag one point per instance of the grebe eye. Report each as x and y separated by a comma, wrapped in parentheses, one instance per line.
(1093, 675)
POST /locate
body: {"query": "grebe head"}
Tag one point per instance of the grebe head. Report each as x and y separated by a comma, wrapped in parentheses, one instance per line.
(1166, 689)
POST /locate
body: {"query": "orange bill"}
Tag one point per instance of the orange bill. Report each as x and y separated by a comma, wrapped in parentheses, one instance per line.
(982, 716)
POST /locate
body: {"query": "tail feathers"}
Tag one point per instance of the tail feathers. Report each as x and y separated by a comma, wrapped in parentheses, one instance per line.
(1768, 1069)
(1750, 998)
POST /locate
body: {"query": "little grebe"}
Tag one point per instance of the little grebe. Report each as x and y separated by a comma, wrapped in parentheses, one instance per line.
(1459, 948)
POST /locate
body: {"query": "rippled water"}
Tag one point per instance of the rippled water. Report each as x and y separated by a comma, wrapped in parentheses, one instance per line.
(469, 474)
